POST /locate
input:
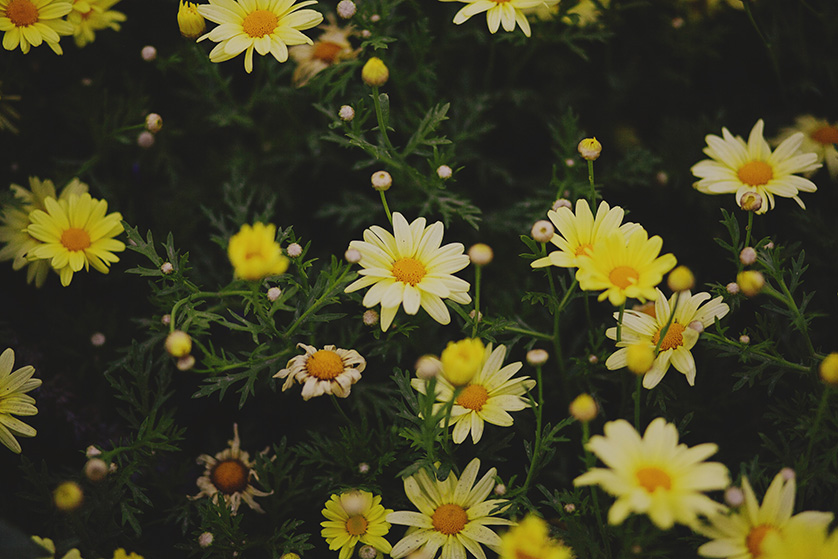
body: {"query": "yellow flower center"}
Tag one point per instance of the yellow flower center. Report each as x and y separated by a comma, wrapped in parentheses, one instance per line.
(326, 51)
(755, 173)
(324, 364)
(623, 276)
(449, 519)
(22, 12)
(75, 239)
(583, 249)
(260, 23)
(473, 397)
(230, 476)
(755, 537)
(826, 135)
(652, 478)
(409, 270)
(674, 337)
(356, 525)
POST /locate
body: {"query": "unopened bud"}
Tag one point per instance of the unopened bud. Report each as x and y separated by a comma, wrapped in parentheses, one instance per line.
(148, 53)
(570, 508)
(542, 231)
(750, 201)
(536, 357)
(569, 162)
(370, 317)
(589, 149)
(769, 245)
(480, 254)
(593, 359)
(178, 343)
(444, 172)
(294, 250)
(427, 367)
(366, 33)
(734, 496)
(205, 539)
(167, 268)
(584, 408)
(375, 72)
(95, 469)
(352, 255)
(153, 122)
(696, 325)
(92, 451)
(346, 9)
(744, 339)
(145, 140)
(662, 178)
(639, 358)
(500, 489)
(479, 315)
(166, 319)
(190, 22)
(346, 113)
(375, 18)
(748, 256)
(185, 363)
(68, 496)
(363, 468)
(97, 339)
(680, 279)
(562, 203)
(732, 288)
(274, 293)
(828, 369)
(367, 552)
(750, 282)
(788, 474)
(381, 181)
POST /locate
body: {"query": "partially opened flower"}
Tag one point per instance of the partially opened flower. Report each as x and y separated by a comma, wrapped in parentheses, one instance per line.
(498, 12)
(352, 517)
(29, 23)
(330, 370)
(15, 401)
(819, 137)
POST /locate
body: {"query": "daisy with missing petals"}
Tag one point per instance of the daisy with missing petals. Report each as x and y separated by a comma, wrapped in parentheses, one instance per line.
(29, 23)
(579, 231)
(410, 268)
(645, 328)
(352, 517)
(268, 26)
(490, 394)
(14, 400)
(228, 476)
(506, 12)
(330, 48)
(819, 137)
(624, 269)
(330, 370)
(654, 475)
(738, 168)
(740, 534)
(89, 16)
(453, 515)
(76, 233)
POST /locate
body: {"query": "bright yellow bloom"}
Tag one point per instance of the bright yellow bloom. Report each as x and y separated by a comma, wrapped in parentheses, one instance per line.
(801, 539)
(498, 12)
(268, 26)
(330, 48)
(189, 21)
(654, 475)
(255, 254)
(819, 137)
(29, 23)
(461, 360)
(122, 554)
(828, 368)
(48, 544)
(352, 517)
(89, 16)
(583, 408)
(531, 539)
(750, 282)
(331, 370)
(15, 401)
(680, 279)
(178, 343)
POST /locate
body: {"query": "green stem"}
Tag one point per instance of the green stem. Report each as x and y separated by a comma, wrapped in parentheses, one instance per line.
(798, 316)
(816, 424)
(760, 354)
(198, 295)
(638, 385)
(313, 308)
(591, 181)
(768, 46)
(477, 273)
(536, 451)
(379, 116)
(340, 409)
(528, 332)
(748, 229)
(386, 207)
(620, 322)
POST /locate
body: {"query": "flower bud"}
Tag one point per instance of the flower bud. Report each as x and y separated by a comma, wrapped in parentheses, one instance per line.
(500, 489)
(662, 178)
(570, 508)
(97, 339)
(427, 367)
(363, 468)
(569, 162)
(167, 268)
(205, 539)
(190, 22)
(696, 325)
(375, 72)
(166, 319)
(680, 279)
(640, 358)
(444, 172)
(583, 408)
(461, 360)
(750, 201)
(828, 369)
(346, 9)
(290, 556)
(750, 282)
(480, 254)
(734, 496)
(542, 231)
(375, 18)
(732, 288)
(92, 451)
(352, 255)
(748, 256)
(153, 122)
(145, 140)
(294, 250)
(744, 339)
(479, 315)
(274, 293)
(769, 245)
(593, 359)
(367, 552)
(185, 363)
(95, 469)
(562, 203)
(68, 496)
(589, 149)
(148, 53)
(346, 113)
(537, 357)
(381, 180)
(370, 317)
(178, 343)
(788, 474)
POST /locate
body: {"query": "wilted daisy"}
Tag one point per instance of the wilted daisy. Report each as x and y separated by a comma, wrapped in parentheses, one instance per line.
(254, 252)
(15, 401)
(490, 394)
(577, 232)
(645, 328)
(801, 539)
(624, 269)
(76, 233)
(654, 475)
(29, 23)
(410, 268)
(740, 534)
(530, 539)
(269, 26)
(228, 476)
(331, 47)
(453, 515)
(330, 370)
(819, 137)
(738, 168)
(352, 517)
(89, 16)
(498, 12)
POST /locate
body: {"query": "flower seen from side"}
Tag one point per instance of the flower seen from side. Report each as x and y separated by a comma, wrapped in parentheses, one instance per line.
(189, 21)
(654, 475)
(736, 167)
(330, 48)
(14, 400)
(508, 13)
(330, 370)
(410, 268)
(254, 252)
(453, 515)
(374, 72)
(30, 23)
(819, 137)
(352, 517)
(89, 16)
(531, 538)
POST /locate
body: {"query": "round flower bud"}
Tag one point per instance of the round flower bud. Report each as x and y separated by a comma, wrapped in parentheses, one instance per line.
(570, 508)
(583, 408)
(828, 369)
(366, 33)
(479, 315)
(500, 489)
(68, 496)
(92, 451)
(569, 162)
(148, 53)
(461, 360)
(680, 279)
(480, 254)
(178, 343)
(748, 256)
(750, 282)
(769, 245)
(732, 288)
(444, 172)
(589, 149)
(381, 180)
(95, 469)
(662, 178)
(640, 358)
(167, 268)
(190, 22)
(185, 363)
(536, 357)
(346, 9)
(744, 339)
(427, 367)
(370, 317)
(352, 502)
(145, 140)
(153, 122)
(367, 552)
(677, 22)
(166, 319)
(696, 325)
(352, 255)
(593, 359)
(274, 294)
(734, 496)
(375, 18)
(205, 539)
(750, 201)
(363, 468)
(294, 250)
(97, 339)
(289, 556)
(788, 474)
(346, 113)
(542, 231)
(375, 72)
(562, 203)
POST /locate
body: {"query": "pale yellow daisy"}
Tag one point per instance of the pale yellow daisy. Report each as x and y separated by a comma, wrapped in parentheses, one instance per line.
(654, 475)
(819, 137)
(801, 539)
(268, 26)
(89, 16)
(738, 168)
(330, 48)
(353, 517)
(683, 333)
(29, 23)
(488, 396)
(498, 12)
(15, 401)
(330, 370)
(453, 515)
(410, 268)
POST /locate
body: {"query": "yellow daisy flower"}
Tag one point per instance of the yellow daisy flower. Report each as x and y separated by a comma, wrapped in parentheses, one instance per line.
(122, 554)
(268, 26)
(740, 535)
(819, 137)
(29, 23)
(801, 539)
(76, 234)
(14, 400)
(505, 12)
(89, 16)
(410, 268)
(255, 254)
(352, 517)
(228, 476)
(738, 168)
(531, 539)
(624, 269)
(453, 515)
(490, 394)
(645, 328)
(578, 232)
(331, 47)
(654, 475)
(330, 370)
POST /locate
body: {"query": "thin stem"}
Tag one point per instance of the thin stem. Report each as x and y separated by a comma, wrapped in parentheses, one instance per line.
(768, 46)
(816, 424)
(527, 332)
(798, 316)
(620, 322)
(591, 181)
(386, 207)
(760, 354)
(379, 116)
(198, 295)
(638, 385)
(536, 451)
(340, 409)
(477, 274)
(315, 306)
(749, 228)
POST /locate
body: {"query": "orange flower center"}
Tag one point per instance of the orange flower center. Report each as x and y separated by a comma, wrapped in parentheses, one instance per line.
(652, 478)
(230, 476)
(826, 135)
(324, 364)
(674, 337)
(755, 173)
(356, 525)
(449, 519)
(75, 239)
(583, 249)
(473, 397)
(260, 23)
(409, 270)
(623, 276)
(755, 537)
(326, 51)
(22, 12)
